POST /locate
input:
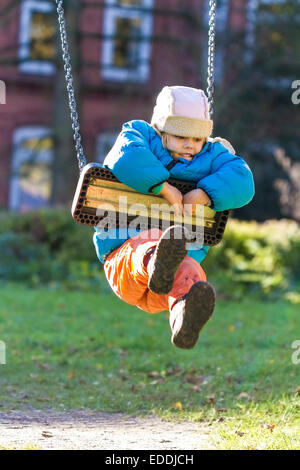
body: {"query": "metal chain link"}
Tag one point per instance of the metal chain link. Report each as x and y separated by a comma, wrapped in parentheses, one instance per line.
(211, 55)
(70, 88)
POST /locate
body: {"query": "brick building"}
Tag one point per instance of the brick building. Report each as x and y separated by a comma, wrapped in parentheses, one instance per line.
(123, 52)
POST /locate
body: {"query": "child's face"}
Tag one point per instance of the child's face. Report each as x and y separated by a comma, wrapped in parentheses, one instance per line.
(183, 147)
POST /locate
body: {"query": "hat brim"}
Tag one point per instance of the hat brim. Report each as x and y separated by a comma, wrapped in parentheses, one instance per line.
(188, 127)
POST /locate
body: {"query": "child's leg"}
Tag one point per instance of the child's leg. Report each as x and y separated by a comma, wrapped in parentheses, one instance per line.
(190, 302)
(127, 275)
(189, 273)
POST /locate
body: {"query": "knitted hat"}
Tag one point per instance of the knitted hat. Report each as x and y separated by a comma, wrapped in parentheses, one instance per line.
(182, 111)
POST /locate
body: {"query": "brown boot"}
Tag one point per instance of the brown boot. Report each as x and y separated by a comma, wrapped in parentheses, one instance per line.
(190, 313)
(170, 251)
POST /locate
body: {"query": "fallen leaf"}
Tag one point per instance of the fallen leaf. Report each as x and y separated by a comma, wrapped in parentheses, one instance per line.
(71, 375)
(157, 381)
(154, 373)
(173, 371)
(45, 366)
(244, 395)
(123, 375)
(211, 399)
(202, 379)
(196, 388)
(124, 352)
(297, 390)
(178, 406)
(271, 426)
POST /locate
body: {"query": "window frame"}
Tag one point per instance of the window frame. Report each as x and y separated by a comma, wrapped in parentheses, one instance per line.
(35, 67)
(111, 12)
(19, 157)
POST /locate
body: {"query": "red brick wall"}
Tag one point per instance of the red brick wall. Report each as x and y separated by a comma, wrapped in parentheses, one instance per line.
(104, 105)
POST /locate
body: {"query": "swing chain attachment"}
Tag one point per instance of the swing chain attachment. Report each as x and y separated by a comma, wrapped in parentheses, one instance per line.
(70, 88)
(211, 55)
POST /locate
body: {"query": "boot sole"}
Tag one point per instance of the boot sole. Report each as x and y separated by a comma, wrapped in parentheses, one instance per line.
(169, 254)
(199, 307)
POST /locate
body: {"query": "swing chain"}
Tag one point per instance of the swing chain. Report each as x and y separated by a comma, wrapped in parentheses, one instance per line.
(70, 88)
(211, 55)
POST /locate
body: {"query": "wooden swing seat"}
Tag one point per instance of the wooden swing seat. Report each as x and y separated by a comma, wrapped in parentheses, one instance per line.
(120, 205)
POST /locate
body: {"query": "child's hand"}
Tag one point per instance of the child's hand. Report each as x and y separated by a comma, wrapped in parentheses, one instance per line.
(194, 197)
(173, 196)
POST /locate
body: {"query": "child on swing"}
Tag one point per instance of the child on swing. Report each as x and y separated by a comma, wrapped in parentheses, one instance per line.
(158, 271)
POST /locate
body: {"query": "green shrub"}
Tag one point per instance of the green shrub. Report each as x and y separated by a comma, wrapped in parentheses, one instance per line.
(253, 257)
(44, 246)
(47, 246)
(23, 259)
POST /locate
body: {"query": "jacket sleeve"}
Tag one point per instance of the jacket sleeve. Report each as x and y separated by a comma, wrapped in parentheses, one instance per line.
(230, 184)
(132, 161)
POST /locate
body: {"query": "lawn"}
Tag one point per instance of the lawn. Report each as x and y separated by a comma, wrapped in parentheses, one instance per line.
(89, 350)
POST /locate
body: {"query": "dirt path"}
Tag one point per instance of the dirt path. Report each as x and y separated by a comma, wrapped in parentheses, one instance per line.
(94, 430)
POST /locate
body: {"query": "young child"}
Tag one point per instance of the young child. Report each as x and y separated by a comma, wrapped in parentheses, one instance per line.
(159, 271)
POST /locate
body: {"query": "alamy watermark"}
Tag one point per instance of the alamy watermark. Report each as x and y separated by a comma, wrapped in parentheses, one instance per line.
(139, 219)
(2, 92)
(2, 352)
(296, 354)
(296, 93)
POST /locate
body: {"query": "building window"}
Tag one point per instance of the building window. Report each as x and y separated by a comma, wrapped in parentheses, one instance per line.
(127, 28)
(31, 175)
(37, 37)
(105, 142)
(266, 36)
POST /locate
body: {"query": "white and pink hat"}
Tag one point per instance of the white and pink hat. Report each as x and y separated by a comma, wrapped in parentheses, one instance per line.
(182, 111)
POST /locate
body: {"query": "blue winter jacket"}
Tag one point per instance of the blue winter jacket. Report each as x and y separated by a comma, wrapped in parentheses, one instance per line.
(139, 160)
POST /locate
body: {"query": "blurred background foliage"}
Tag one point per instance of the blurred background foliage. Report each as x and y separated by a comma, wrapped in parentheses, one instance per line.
(47, 248)
(254, 107)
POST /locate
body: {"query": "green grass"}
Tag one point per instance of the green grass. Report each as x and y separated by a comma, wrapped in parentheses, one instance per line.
(84, 350)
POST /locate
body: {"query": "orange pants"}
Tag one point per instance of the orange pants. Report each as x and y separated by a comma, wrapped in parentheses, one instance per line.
(128, 277)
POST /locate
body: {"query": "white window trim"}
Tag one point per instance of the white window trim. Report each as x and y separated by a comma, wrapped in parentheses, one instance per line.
(19, 157)
(35, 67)
(109, 71)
